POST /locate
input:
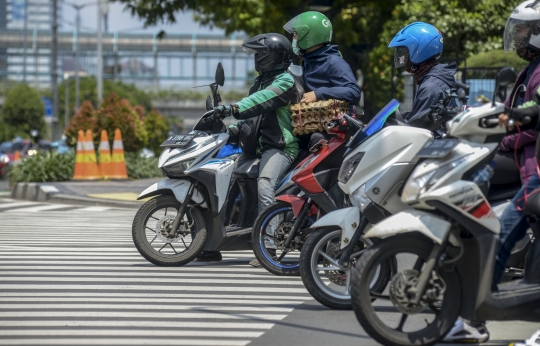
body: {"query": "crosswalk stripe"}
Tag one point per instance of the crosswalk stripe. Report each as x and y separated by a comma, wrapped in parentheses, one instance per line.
(71, 275)
(126, 341)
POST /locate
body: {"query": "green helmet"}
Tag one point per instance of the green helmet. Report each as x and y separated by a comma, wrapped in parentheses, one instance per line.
(312, 27)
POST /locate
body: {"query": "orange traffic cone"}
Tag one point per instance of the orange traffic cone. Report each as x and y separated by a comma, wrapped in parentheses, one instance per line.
(118, 162)
(105, 156)
(80, 160)
(92, 169)
(17, 156)
(85, 162)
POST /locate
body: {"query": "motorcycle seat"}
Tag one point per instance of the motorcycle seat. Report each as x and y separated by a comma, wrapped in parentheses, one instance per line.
(532, 205)
(249, 170)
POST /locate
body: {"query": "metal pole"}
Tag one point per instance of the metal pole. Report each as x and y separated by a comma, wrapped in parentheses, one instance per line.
(194, 55)
(54, 68)
(155, 63)
(115, 50)
(99, 57)
(34, 49)
(66, 103)
(25, 34)
(77, 30)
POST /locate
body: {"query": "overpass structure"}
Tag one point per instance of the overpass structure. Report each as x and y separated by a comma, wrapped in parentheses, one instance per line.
(141, 58)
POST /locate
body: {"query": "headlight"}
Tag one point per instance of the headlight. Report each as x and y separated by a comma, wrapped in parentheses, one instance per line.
(32, 152)
(359, 198)
(348, 167)
(4, 158)
(414, 187)
(178, 167)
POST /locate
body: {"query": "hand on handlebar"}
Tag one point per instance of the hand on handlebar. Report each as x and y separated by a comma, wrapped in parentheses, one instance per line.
(221, 112)
(506, 120)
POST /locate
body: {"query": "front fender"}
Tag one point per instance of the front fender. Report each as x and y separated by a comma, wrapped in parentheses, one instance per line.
(178, 187)
(413, 220)
(347, 219)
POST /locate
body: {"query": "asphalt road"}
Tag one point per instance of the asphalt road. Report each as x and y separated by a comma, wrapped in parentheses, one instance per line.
(70, 275)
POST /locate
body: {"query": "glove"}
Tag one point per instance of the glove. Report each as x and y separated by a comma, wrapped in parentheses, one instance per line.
(221, 112)
(523, 115)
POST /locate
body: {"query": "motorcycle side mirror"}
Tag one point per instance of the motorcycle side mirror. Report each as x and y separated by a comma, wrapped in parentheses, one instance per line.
(220, 75)
(462, 96)
(209, 103)
(505, 77)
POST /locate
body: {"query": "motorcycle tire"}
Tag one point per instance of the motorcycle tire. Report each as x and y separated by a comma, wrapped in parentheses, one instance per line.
(447, 308)
(309, 258)
(266, 259)
(145, 246)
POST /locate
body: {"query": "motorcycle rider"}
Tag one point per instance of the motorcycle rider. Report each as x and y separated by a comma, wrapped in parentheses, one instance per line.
(264, 128)
(522, 34)
(326, 74)
(417, 48)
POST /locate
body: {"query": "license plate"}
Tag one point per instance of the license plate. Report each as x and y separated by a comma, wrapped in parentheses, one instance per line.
(437, 148)
(177, 141)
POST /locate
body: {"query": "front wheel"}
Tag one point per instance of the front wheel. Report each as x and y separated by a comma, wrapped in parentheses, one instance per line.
(325, 279)
(155, 239)
(268, 237)
(396, 319)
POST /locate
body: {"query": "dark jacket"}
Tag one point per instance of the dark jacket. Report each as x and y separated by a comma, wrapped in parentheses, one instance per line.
(329, 76)
(267, 109)
(526, 140)
(432, 89)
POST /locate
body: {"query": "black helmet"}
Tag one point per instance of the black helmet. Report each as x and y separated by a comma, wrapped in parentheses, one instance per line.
(272, 52)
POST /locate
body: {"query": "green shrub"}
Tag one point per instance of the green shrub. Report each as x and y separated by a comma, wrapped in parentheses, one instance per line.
(496, 58)
(157, 128)
(141, 168)
(22, 112)
(43, 168)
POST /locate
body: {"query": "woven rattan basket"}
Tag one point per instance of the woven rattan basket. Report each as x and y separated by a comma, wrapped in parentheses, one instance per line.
(312, 117)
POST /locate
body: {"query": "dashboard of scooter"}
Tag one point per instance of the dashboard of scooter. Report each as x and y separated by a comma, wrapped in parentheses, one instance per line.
(478, 124)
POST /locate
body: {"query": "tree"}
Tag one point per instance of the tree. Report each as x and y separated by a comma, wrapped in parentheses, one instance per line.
(88, 92)
(85, 119)
(496, 58)
(22, 112)
(157, 128)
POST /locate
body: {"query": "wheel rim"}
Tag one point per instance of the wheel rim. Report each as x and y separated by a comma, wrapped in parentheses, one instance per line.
(394, 310)
(280, 221)
(323, 274)
(158, 236)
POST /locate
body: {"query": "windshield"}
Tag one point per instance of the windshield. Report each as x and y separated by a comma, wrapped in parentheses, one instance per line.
(374, 125)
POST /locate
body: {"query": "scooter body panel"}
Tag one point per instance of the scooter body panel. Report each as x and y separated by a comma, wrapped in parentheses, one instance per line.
(177, 187)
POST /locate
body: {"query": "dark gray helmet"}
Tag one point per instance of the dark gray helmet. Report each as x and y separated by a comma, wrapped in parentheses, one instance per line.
(272, 52)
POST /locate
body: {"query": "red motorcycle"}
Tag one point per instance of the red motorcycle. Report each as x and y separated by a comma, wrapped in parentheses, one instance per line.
(279, 231)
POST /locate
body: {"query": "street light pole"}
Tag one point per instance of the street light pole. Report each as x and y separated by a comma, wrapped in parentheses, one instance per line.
(66, 103)
(54, 67)
(25, 37)
(99, 56)
(78, 28)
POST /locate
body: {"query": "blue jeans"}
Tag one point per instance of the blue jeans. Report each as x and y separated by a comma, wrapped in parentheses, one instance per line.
(514, 226)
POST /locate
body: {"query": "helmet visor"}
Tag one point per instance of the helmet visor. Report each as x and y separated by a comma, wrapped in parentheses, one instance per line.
(401, 57)
(249, 51)
(289, 27)
(517, 34)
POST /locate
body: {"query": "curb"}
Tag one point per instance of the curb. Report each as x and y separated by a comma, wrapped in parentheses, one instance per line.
(42, 192)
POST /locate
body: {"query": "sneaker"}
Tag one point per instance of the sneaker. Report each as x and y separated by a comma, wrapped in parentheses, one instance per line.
(464, 333)
(209, 256)
(534, 340)
(254, 263)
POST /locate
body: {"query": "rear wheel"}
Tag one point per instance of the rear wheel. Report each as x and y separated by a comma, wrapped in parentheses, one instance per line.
(395, 319)
(268, 237)
(326, 280)
(158, 243)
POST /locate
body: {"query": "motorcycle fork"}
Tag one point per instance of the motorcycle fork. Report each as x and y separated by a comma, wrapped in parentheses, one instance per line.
(182, 209)
(298, 222)
(348, 250)
(425, 275)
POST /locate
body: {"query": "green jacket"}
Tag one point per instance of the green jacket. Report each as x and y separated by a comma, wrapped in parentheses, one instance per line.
(270, 97)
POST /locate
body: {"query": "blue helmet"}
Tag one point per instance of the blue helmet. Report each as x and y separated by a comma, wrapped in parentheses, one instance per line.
(418, 42)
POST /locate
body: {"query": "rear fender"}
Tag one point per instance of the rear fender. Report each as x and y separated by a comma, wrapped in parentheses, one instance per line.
(177, 187)
(347, 219)
(411, 221)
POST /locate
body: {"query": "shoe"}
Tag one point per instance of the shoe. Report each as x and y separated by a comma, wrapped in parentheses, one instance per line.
(209, 256)
(464, 333)
(255, 262)
(534, 340)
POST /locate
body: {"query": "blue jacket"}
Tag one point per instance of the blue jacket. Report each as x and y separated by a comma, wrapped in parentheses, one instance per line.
(326, 73)
(432, 88)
